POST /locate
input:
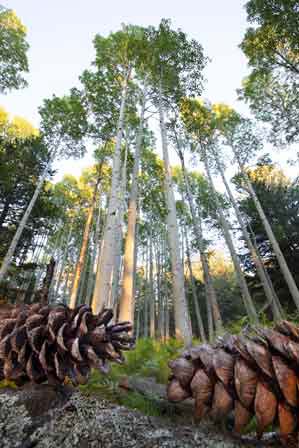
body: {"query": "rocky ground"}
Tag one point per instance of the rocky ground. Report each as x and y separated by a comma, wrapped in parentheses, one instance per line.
(46, 417)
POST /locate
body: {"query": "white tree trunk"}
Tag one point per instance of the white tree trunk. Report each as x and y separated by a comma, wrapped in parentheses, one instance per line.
(11, 250)
(84, 248)
(255, 256)
(278, 253)
(63, 261)
(193, 289)
(103, 278)
(126, 305)
(209, 287)
(248, 303)
(182, 318)
(151, 287)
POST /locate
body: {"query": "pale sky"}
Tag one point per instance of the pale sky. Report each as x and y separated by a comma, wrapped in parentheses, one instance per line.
(60, 34)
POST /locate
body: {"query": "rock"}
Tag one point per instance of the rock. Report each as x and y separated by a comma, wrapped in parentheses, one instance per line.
(73, 420)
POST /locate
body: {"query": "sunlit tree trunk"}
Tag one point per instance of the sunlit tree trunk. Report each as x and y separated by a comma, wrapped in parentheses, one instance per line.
(83, 251)
(151, 286)
(193, 289)
(103, 278)
(289, 279)
(146, 307)
(96, 245)
(255, 256)
(209, 287)
(182, 318)
(11, 250)
(63, 261)
(117, 248)
(126, 304)
(248, 303)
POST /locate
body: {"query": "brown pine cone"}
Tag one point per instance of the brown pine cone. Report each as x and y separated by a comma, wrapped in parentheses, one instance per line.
(251, 375)
(42, 343)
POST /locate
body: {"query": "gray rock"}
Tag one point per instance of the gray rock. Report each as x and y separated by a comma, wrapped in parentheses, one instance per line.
(74, 420)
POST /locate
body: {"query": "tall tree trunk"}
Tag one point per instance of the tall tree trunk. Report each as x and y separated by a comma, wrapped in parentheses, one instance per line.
(182, 318)
(4, 211)
(63, 261)
(208, 282)
(105, 266)
(255, 256)
(193, 289)
(248, 303)
(289, 279)
(44, 295)
(117, 248)
(126, 304)
(11, 250)
(145, 306)
(151, 287)
(84, 247)
(96, 247)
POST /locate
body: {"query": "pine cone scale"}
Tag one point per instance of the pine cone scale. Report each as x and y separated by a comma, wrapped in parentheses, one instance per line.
(40, 343)
(256, 375)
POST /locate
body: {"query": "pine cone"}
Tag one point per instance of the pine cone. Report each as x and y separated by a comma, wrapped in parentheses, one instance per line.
(42, 343)
(252, 375)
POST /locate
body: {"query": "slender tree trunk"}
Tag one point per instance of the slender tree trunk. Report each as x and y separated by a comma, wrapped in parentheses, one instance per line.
(63, 261)
(210, 320)
(11, 250)
(126, 305)
(289, 279)
(182, 318)
(105, 266)
(4, 211)
(208, 282)
(248, 303)
(117, 247)
(255, 256)
(166, 337)
(146, 279)
(151, 287)
(193, 289)
(83, 251)
(96, 246)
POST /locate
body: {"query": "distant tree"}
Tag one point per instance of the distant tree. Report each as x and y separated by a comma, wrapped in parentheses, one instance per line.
(13, 51)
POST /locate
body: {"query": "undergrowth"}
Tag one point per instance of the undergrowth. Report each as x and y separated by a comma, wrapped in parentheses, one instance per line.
(148, 359)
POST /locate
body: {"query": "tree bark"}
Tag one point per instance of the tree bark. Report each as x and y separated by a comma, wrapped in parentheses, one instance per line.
(193, 289)
(64, 259)
(83, 251)
(11, 250)
(255, 256)
(289, 279)
(248, 303)
(117, 248)
(182, 318)
(106, 260)
(126, 304)
(151, 287)
(208, 282)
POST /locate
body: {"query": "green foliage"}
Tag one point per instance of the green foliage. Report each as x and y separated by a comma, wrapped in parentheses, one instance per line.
(176, 62)
(13, 51)
(64, 125)
(272, 49)
(279, 197)
(149, 359)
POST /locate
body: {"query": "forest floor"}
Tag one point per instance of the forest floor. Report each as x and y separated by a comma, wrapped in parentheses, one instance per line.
(46, 416)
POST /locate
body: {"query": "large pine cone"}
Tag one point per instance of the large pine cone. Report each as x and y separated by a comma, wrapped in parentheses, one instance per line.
(42, 343)
(249, 375)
